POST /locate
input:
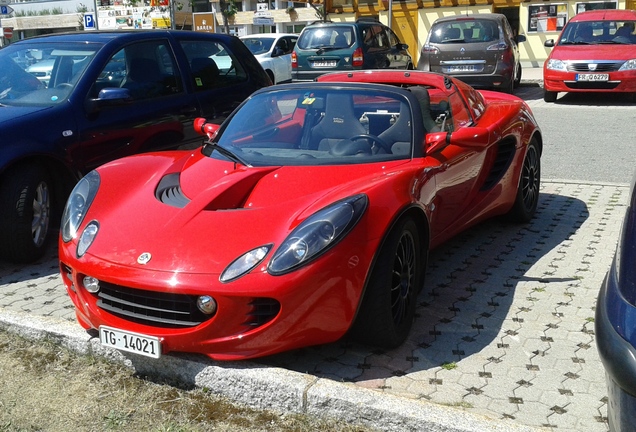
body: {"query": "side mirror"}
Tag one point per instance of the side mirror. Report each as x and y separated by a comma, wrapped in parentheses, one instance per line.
(110, 96)
(435, 142)
(521, 38)
(203, 128)
(467, 137)
(470, 137)
(277, 52)
(549, 43)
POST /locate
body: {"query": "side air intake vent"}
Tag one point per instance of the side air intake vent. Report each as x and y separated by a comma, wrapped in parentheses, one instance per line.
(503, 158)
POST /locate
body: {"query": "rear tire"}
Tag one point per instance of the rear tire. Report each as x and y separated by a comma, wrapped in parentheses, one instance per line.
(549, 96)
(528, 190)
(270, 74)
(26, 200)
(510, 86)
(387, 310)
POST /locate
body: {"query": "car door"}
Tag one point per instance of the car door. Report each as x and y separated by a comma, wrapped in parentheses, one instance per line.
(281, 58)
(156, 113)
(459, 169)
(223, 83)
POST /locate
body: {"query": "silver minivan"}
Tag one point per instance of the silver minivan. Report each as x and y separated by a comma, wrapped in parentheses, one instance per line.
(480, 50)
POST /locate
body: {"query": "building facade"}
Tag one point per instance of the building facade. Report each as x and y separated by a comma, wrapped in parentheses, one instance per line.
(410, 19)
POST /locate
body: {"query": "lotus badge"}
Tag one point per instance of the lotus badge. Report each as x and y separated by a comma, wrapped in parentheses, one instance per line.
(144, 258)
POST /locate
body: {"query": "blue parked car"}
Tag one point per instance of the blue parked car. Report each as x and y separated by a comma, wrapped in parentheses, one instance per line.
(70, 102)
(615, 326)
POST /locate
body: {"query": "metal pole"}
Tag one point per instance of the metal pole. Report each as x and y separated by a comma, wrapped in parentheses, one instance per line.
(390, 13)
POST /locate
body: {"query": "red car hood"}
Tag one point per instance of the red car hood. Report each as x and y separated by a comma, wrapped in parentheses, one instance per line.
(594, 52)
(231, 210)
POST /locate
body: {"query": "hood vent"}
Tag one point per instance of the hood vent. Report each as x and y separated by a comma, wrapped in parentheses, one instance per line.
(169, 191)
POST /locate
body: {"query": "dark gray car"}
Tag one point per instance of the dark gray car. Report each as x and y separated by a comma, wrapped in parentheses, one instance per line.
(480, 50)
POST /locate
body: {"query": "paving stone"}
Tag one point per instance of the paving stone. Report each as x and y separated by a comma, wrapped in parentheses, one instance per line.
(504, 324)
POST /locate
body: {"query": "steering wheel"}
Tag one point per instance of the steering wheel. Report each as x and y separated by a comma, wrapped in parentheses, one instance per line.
(373, 139)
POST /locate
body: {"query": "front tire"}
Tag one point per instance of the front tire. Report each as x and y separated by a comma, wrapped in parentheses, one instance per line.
(26, 199)
(387, 310)
(529, 182)
(549, 96)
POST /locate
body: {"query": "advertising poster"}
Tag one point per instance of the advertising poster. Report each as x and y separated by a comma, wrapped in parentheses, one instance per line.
(141, 14)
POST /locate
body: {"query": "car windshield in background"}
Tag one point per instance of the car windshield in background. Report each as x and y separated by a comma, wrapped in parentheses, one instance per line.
(326, 36)
(43, 74)
(258, 45)
(309, 126)
(468, 31)
(599, 32)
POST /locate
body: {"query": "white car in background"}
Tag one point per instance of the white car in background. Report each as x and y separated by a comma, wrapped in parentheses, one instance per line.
(273, 52)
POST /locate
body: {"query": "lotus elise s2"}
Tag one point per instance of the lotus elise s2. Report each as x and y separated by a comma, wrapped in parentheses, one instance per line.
(306, 216)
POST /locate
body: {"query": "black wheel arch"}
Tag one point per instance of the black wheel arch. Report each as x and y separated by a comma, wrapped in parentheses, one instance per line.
(421, 220)
(62, 177)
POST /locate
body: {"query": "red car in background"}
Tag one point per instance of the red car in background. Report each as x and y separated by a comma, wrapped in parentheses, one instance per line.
(309, 224)
(596, 52)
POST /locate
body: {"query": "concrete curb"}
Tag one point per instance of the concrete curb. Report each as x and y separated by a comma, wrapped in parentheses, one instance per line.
(269, 388)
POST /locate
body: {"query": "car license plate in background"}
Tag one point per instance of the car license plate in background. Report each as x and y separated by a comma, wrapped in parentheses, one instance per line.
(461, 68)
(132, 342)
(592, 77)
(324, 63)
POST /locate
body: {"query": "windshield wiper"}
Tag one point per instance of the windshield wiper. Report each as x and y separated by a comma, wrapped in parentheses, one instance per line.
(225, 152)
(326, 48)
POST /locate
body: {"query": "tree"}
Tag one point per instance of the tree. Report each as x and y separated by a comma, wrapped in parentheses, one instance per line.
(228, 10)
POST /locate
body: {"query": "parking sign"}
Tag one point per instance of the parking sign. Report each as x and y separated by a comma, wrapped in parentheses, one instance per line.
(89, 21)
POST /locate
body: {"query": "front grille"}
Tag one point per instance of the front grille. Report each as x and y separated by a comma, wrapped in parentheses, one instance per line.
(592, 85)
(505, 153)
(263, 311)
(601, 67)
(158, 309)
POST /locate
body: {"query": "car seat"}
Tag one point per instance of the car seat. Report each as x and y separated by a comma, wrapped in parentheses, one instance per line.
(340, 41)
(452, 33)
(205, 72)
(399, 136)
(143, 78)
(339, 122)
(63, 72)
(425, 106)
(585, 33)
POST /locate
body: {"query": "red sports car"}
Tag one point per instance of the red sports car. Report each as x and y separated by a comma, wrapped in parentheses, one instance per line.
(307, 215)
(596, 52)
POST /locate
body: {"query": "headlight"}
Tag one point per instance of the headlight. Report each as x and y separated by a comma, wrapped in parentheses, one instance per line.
(244, 263)
(555, 64)
(628, 65)
(78, 204)
(317, 234)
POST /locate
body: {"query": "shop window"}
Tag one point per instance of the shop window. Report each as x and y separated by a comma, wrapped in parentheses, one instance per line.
(295, 28)
(547, 17)
(342, 3)
(582, 7)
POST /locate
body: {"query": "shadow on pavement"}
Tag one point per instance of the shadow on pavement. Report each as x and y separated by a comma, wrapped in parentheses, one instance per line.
(469, 289)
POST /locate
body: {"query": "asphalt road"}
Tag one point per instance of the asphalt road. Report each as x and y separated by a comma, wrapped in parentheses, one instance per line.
(588, 137)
